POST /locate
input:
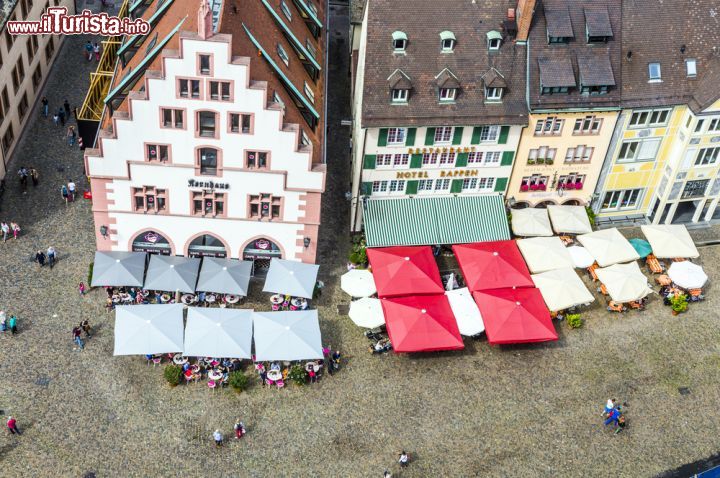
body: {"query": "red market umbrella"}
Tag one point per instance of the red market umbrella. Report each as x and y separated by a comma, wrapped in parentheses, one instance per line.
(421, 324)
(405, 271)
(514, 316)
(492, 265)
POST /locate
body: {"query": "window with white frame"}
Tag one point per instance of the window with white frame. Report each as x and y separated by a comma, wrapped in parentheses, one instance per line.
(401, 160)
(493, 94)
(638, 150)
(397, 186)
(699, 126)
(645, 118)
(443, 134)
(309, 92)
(486, 183)
(469, 184)
(447, 94)
(492, 158)
(400, 95)
(542, 155)
(278, 100)
(399, 41)
(447, 159)
(383, 161)
(536, 182)
(707, 156)
(621, 199)
(587, 125)
(379, 186)
(494, 44)
(283, 54)
(286, 10)
(489, 134)
(475, 157)
(579, 153)
(654, 74)
(447, 41)
(714, 126)
(396, 136)
(430, 159)
(549, 126)
(571, 181)
(425, 185)
(442, 185)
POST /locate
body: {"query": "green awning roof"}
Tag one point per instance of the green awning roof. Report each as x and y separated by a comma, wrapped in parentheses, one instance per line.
(435, 220)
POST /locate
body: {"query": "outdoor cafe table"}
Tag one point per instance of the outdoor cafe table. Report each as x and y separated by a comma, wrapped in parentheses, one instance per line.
(178, 359)
(274, 375)
(210, 298)
(188, 299)
(276, 299)
(232, 299)
(215, 375)
(299, 302)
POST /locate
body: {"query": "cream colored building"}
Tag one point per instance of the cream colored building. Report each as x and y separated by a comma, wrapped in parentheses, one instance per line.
(24, 65)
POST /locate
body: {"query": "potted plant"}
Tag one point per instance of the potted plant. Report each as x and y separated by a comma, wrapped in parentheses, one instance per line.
(173, 375)
(548, 161)
(237, 380)
(679, 304)
(574, 321)
(297, 375)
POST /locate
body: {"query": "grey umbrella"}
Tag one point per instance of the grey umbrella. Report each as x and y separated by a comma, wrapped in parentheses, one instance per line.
(148, 329)
(287, 335)
(224, 276)
(118, 269)
(172, 273)
(291, 277)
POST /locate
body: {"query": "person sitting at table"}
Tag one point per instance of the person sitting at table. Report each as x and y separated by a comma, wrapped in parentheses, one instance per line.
(109, 305)
(158, 297)
(304, 304)
(201, 297)
(186, 366)
(133, 293)
(275, 366)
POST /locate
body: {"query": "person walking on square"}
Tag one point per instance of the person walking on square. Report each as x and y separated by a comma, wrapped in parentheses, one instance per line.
(64, 193)
(12, 426)
(45, 106)
(12, 324)
(609, 406)
(85, 326)
(3, 321)
(71, 190)
(217, 436)
(35, 176)
(51, 256)
(23, 174)
(5, 230)
(239, 429)
(40, 258)
(76, 337)
(66, 107)
(15, 228)
(613, 417)
(71, 134)
(56, 119)
(96, 50)
(81, 288)
(403, 459)
(89, 50)
(61, 115)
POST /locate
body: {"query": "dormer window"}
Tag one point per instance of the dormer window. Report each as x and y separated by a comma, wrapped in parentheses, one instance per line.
(400, 86)
(493, 94)
(596, 74)
(447, 42)
(556, 75)
(494, 84)
(559, 27)
(654, 73)
(494, 40)
(399, 41)
(597, 25)
(447, 94)
(400, 96)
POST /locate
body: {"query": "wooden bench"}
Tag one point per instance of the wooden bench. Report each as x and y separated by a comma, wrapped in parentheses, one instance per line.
(591, 270)
(654, 265)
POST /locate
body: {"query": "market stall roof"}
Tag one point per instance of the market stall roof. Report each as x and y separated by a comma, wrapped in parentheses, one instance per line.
(218, 332)
(624, 282)
(148, 329)
(530, 222)
(172, 273)
(467, 314)
(409, 270)
(358, 283)
(569, 219)
(608, 247)
(492, 265)
(287, 335)
(687, 275)
(544, 254)
(434, 220)
(562, 288)
(367, 312)
(118, 269)
(670, 241)
(513, 316)
(291, 277)
(224, 276)
(421, 324)
(581, 257)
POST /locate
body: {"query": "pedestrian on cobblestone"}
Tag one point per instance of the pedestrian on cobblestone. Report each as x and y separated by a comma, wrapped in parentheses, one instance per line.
(96, 50)
(61, 114)
(66, 107)
(35, 176)
(15, 228)
(40, 258)
(85, 326)
(71, 190)
(76, 337)
(81, 288)
(239, 429)
(64, 192)
(71, 134)
(56, 119)
(45, 107)
(3, 321)
(23, 174)
(217, 436)
(12, 426)
(12, 324)
(89, 51)
(51, 256)
(5, 230)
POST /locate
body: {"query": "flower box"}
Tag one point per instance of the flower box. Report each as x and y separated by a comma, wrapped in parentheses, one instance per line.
(542, 187)
(568, 186)
(534, 187)
(578, 185)
(524, 188)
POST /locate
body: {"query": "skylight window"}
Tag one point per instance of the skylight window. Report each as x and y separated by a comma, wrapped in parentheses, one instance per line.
(691, 65)
(654, 72)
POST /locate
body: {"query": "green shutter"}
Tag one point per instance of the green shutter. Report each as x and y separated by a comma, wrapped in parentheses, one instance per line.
(500, 185)
(504, 132)
(369, 161)
(411, 187)
(366, 189)
(456, 186)
(416, 161)
(476, 135)
(382, 139)
(410, 140)
(430, 137)
(457, 135)
(507, 158)
(461, 160)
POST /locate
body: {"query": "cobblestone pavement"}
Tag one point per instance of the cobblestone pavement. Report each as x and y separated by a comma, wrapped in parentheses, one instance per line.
(530, 410)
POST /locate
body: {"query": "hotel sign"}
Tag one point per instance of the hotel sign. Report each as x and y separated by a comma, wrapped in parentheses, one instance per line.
(450, 173)
(207, 184)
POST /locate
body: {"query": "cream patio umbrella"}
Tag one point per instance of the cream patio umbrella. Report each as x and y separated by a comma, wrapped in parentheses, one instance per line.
(530, 222)
(367, 312)
(544, 254)
(670, 240)
(624, 282)
(466, 311)
(358, 283)
(608, 247)
(687, 275)
(581, 257)
(569, 219)
(562, 288)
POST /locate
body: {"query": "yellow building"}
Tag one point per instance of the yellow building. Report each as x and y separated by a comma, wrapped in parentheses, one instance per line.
(560, 157)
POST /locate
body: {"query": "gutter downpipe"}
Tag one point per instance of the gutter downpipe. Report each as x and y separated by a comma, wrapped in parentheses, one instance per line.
(325, 102)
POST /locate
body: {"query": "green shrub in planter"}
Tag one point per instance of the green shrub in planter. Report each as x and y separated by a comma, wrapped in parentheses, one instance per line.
(297, 374)
(238, 380)
(173, 374)
(90, 273)
(678, 304)
(574, 321)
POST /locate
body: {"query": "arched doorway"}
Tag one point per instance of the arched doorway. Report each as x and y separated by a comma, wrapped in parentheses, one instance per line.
(152, 242)
(206, 245)
(261, 251)
(545, 204)
(521, 205)
(572, 202)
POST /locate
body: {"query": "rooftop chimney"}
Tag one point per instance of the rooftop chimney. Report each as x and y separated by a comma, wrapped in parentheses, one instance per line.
(524, 12)
(204, 24)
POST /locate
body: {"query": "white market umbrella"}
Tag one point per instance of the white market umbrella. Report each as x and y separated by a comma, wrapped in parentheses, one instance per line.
(530, 222)
(148, 329)
(562, 288)
(670, 241)
(544, 253)
(580, 257)
(608, 247)
(224, 276)
(569, 219)
(287, 335)
(624, 282)
(118, 269)
(466, 311)
(367, 312)
(687, 275)
(358, 283)
(172, 273)
(291, 278)
(218, 332)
